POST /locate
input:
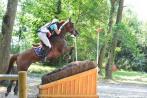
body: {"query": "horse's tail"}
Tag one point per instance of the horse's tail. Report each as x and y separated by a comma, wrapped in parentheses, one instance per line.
(11, 63)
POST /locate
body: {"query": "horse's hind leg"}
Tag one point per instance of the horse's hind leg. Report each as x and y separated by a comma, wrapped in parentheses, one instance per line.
(9, 88)
(16, 88)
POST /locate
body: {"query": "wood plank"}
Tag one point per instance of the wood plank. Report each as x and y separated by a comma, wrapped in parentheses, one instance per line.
(8, 77)
(68, 96)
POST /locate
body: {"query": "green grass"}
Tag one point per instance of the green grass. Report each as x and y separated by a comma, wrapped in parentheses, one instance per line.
(127, 76)
(39, 69)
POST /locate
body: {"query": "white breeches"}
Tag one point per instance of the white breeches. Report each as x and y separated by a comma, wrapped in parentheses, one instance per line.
(44, 39)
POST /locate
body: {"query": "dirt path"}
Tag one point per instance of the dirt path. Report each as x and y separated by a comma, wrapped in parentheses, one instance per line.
(122, 90)
(106, 89)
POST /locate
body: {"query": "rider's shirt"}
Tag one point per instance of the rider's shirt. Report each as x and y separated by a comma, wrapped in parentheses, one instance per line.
(53, 27)
(49, 27)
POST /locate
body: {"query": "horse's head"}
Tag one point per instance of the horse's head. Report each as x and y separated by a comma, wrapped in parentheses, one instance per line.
(68, 26)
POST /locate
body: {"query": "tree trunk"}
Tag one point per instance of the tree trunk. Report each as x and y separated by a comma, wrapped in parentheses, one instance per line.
(101, 57)
(119, 12)
(110, 60)
(114, 42)
(5, 36)
(108, 71)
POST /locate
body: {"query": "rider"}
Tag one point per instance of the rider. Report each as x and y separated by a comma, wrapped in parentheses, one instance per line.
(47, 29)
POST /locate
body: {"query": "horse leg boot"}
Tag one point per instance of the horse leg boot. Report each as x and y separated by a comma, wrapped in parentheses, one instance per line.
(16, 88)
(9, 88)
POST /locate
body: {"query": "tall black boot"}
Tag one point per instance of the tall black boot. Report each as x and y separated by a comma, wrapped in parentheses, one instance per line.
(45, 51)
(42, 52)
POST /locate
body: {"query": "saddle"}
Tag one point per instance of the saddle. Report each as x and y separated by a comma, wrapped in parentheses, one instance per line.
(41, 50)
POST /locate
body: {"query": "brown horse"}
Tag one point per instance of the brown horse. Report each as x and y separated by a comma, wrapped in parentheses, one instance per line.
(59, 47)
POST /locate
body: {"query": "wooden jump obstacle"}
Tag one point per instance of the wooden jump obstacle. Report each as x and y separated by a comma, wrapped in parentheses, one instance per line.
(82, 85)
(22, 82)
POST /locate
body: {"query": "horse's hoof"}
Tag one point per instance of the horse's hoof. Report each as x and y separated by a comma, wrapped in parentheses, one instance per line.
(6, 94)
(15, 93)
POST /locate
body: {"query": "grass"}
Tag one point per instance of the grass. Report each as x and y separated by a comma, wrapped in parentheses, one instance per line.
(38, 69)
(130, 76)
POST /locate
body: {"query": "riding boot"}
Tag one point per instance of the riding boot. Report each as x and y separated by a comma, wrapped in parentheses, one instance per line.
(42, 52)
(46, 53)
(45, 50)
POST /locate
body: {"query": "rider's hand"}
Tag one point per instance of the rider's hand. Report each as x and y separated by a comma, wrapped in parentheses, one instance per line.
(59, 30)
(49, 34)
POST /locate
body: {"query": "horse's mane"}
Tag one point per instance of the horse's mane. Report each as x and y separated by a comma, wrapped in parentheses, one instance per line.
(60, 23)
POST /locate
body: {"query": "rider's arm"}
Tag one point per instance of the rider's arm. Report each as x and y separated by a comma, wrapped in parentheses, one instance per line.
(56, 29)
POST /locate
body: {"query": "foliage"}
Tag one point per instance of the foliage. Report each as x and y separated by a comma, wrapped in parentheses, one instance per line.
(36, 68)
(130, 57)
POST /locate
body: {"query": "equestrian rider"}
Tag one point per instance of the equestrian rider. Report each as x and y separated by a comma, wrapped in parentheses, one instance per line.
(47, 29)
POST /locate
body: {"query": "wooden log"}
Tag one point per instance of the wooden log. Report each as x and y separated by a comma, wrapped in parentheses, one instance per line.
(68, 70)
(22, 81)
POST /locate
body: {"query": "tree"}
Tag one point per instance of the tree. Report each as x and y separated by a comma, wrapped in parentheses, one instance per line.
(111, 54)
(108, 73)
(131, 35)
(5, 35)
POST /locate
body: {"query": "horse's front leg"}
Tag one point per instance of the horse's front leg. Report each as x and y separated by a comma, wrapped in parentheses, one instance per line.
(9, 88)
(16, 88)
(68, 51)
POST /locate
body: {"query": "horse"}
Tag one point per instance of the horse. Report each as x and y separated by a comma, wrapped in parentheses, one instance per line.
(26, 58)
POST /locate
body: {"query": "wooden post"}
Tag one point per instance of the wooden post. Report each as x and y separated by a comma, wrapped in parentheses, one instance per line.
(98, 31)
(75, 39)
(22, 81)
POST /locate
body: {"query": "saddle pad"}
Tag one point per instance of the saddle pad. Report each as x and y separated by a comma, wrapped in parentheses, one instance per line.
(38, 51)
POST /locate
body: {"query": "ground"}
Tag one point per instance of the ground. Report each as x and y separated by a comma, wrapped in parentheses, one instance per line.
(106, 89)
(111, 89)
